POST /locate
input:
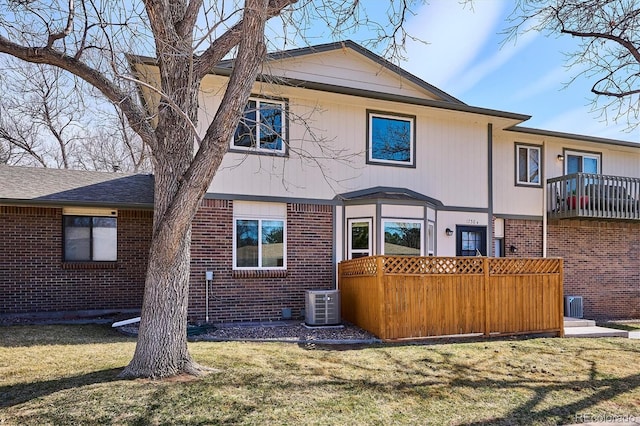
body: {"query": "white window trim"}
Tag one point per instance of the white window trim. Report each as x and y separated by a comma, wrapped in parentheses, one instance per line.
(412, 125)
(582, 154)
(528, 148)
(350, 250)
(421, 222)
(259, 267)
(283, 136)
(431, 238)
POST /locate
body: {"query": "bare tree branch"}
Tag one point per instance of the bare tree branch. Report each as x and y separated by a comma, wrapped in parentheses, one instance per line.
(48, 55)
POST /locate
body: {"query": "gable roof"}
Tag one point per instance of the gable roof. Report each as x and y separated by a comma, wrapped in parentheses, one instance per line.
(436, 99)
(44, 186)
(349, 44)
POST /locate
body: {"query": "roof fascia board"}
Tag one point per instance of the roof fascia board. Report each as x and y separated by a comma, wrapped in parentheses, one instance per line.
(65, 203)
(342, 90)
(331, 88)
(584, 138)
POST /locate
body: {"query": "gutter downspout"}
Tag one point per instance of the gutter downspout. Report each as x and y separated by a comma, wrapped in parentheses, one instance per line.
(544, 203)
(490, 252)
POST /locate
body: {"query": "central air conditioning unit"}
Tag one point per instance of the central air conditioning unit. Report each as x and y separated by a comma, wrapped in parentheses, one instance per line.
(573, 307)
(322, 307)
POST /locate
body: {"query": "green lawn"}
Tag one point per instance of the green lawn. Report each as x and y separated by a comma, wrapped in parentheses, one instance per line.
(67, 375)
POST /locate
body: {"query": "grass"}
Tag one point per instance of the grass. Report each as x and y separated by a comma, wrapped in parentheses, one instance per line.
(622, 325)
(67, 375)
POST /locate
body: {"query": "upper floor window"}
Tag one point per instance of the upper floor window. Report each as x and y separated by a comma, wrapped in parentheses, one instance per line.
(90, 238)
(582, 162)
(262, 127)
(528, 165)
(391, 139)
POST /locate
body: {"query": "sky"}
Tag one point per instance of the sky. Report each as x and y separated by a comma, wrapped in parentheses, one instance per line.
(466, 56)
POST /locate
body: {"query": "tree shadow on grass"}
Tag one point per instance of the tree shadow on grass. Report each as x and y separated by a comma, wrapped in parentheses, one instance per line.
(541, 390)
(604, 390)
(15, 336)
(24, 392)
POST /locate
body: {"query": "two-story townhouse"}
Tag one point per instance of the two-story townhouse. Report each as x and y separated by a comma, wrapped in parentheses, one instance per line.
(342, 154)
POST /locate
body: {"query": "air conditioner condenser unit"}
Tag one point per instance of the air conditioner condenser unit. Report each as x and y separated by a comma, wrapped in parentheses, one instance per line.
(322, 307)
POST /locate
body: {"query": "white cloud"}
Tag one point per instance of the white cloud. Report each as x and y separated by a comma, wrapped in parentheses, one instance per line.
(583, 121)
(455, 35)
(553, 80)
(471, 77)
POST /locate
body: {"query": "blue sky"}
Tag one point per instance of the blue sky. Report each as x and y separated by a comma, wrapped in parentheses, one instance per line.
(467, 58)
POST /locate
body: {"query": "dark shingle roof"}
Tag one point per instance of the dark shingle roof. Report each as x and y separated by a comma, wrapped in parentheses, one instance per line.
(28, 185)
(387, 193)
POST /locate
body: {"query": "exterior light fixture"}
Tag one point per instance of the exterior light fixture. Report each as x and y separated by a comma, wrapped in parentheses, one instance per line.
(560, 157)
(448, 231)
(513, 249)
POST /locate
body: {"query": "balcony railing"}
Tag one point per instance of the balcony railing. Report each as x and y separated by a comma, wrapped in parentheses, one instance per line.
(586, 195)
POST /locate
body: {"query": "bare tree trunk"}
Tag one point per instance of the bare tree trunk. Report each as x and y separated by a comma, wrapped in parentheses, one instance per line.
(162, 339)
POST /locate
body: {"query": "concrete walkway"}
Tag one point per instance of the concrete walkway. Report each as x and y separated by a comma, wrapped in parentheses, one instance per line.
(577, 327)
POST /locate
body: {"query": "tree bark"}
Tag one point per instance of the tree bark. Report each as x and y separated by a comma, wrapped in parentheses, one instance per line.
(181, 179)
(180, 184)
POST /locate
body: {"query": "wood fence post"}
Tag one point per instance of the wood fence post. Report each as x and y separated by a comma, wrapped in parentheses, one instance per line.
(560, 286)
(382, 319)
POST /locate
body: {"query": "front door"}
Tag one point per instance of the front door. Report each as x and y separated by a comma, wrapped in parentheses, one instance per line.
(471, 240)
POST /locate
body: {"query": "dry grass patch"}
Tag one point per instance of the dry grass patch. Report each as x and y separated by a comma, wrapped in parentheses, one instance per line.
(537, 381)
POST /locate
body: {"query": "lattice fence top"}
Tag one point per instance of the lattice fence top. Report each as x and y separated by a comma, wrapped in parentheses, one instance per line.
(409, 265)
(500, 266)
(433, 265)
(359, 267)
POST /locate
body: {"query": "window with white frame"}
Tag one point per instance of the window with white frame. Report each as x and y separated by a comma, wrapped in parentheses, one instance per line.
(90, 237)
(262, 127)
(528, 165)
(391, 139)
(582, 162)
(431, 238)
(259, 235)
(403, 237)
(360, 239)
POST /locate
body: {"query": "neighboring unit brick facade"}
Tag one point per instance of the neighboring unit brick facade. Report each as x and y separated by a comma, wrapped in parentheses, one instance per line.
(258, 295)
(601, 264)
(525, 236)
(34, 278)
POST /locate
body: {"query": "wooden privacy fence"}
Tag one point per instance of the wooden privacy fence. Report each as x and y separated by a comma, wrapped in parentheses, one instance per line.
(416, 297)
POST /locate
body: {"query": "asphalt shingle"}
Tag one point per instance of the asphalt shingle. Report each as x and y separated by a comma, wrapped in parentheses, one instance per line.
(45, 186)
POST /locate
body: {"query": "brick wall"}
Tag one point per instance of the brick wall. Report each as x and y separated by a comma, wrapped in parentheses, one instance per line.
(250, 296)
(33, 277)
(601, 264)
(525, 235)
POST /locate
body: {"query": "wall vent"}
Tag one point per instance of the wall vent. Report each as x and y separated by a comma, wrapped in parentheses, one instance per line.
(573, 307)
(322, 307)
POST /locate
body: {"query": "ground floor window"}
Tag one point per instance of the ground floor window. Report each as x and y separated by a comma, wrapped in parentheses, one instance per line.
(259, 243)
(90, 238)
(403, 237)
(360, 238)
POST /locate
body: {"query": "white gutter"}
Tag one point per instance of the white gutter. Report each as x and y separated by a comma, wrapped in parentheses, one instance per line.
(125, 322)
